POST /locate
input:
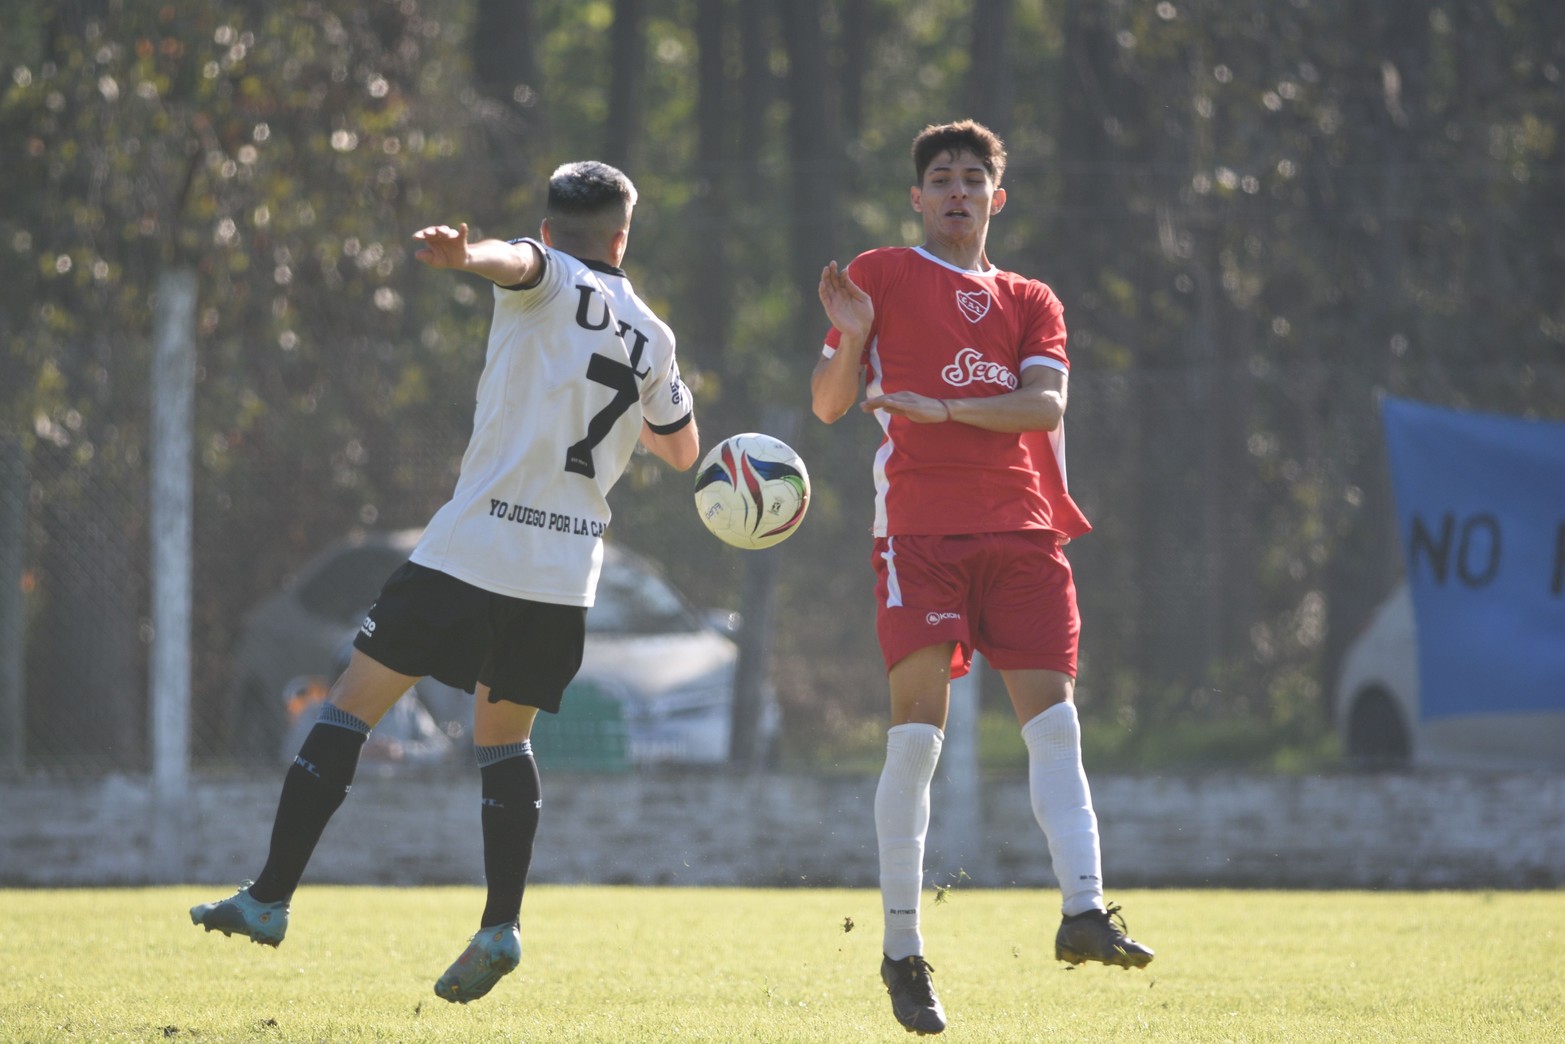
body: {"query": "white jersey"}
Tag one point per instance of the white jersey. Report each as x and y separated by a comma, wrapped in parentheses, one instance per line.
(574, 366)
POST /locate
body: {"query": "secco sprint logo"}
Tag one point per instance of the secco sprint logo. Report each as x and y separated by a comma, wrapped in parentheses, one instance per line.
(970, 367)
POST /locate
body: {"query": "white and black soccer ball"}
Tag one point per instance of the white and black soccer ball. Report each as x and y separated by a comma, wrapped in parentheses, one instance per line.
(752, 491)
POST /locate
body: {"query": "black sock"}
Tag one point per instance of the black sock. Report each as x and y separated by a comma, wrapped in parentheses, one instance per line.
(513, 798)
(315, 787)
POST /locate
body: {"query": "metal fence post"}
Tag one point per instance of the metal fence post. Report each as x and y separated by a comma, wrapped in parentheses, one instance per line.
(958, 833)
(757, 611)
(13, 625)
(173, 534)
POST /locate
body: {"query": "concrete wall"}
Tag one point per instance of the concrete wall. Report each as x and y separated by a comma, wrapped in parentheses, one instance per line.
(1414, 831)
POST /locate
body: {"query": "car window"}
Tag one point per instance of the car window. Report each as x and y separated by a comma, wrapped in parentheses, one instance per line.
(632, 600)
(347, 582)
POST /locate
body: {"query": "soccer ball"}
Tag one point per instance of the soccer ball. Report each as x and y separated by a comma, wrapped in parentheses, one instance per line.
(752, 491)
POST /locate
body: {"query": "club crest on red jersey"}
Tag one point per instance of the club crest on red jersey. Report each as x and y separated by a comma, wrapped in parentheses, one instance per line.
(973, 303)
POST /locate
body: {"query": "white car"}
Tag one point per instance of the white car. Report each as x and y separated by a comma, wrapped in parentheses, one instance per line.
(655, 672)
(1378, 715)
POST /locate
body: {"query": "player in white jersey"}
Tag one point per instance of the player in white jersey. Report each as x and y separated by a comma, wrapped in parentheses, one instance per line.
(572, 362)
(494, 598)
(966, 370)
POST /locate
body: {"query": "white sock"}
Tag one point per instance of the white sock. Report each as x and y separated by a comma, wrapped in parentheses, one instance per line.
(1062, 804)
(901, 824)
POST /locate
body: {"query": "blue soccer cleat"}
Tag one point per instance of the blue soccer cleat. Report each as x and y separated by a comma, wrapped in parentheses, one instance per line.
(239, 914)
(492, 953)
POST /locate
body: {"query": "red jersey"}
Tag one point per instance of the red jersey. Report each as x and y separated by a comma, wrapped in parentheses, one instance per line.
(951, 333)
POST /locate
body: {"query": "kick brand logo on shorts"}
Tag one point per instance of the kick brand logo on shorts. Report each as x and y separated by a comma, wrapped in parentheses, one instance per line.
(934, 618)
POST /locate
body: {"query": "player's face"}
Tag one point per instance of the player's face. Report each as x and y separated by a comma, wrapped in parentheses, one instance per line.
(957, 197)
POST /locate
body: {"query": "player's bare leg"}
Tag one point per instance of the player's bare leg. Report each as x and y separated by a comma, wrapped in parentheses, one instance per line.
(367, 688)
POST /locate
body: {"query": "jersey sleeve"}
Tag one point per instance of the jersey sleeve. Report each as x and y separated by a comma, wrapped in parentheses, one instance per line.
(551, 281)
(543, 268)
(1043, 341)
(665, 400)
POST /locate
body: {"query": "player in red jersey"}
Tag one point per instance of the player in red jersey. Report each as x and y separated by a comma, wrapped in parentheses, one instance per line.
(965, 369)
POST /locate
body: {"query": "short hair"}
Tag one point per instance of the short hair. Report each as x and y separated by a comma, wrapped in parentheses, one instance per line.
(589, 196)
(589, 187)
(969, 135)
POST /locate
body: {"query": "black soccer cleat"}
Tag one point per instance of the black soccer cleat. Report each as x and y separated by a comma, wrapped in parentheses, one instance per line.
(1099, 935)
(913, 999)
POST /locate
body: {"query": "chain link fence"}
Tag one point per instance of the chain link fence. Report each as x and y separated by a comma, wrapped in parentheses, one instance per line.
(75, 618)
(1232, 560)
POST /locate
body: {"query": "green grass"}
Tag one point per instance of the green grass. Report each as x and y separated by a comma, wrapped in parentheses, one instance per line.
(646, 964)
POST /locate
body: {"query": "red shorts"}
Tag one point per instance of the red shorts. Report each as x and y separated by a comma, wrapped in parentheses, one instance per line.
(1009, 595)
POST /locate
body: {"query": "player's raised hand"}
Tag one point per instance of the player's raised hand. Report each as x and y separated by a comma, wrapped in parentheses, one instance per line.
(441, 246)
(847, 306)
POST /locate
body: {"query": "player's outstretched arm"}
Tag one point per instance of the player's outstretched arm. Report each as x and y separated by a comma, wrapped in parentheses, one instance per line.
(508, 264)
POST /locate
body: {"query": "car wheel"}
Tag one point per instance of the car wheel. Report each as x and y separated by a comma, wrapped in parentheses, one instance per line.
(1377, 737)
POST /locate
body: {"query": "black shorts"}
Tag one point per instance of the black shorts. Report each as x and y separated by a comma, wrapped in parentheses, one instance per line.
(429, 624)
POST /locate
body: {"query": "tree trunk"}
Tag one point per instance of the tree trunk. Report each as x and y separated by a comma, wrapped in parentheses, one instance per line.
(506, 71)
(505, 62)
(715, 172)
(755, 88)
(1114, 640)
(627, 79)
(853, 65)
(815, 155)
(989, 87)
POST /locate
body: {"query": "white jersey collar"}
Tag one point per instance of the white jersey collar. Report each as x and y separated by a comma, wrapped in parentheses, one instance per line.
(991, 270)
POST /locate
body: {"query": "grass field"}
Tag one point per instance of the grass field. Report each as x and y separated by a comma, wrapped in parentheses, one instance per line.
(647, 964)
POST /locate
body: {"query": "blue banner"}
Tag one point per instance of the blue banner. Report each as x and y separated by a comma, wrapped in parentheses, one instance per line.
(1481, 513)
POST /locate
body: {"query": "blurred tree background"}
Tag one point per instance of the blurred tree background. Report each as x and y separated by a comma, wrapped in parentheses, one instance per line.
(1259, 216)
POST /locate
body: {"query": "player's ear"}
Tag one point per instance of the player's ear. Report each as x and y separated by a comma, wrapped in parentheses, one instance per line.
(997, 201)
(543, 233)
(916, 198)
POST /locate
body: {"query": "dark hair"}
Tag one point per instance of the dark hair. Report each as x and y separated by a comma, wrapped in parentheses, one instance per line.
(589, 188)
(969, 135)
